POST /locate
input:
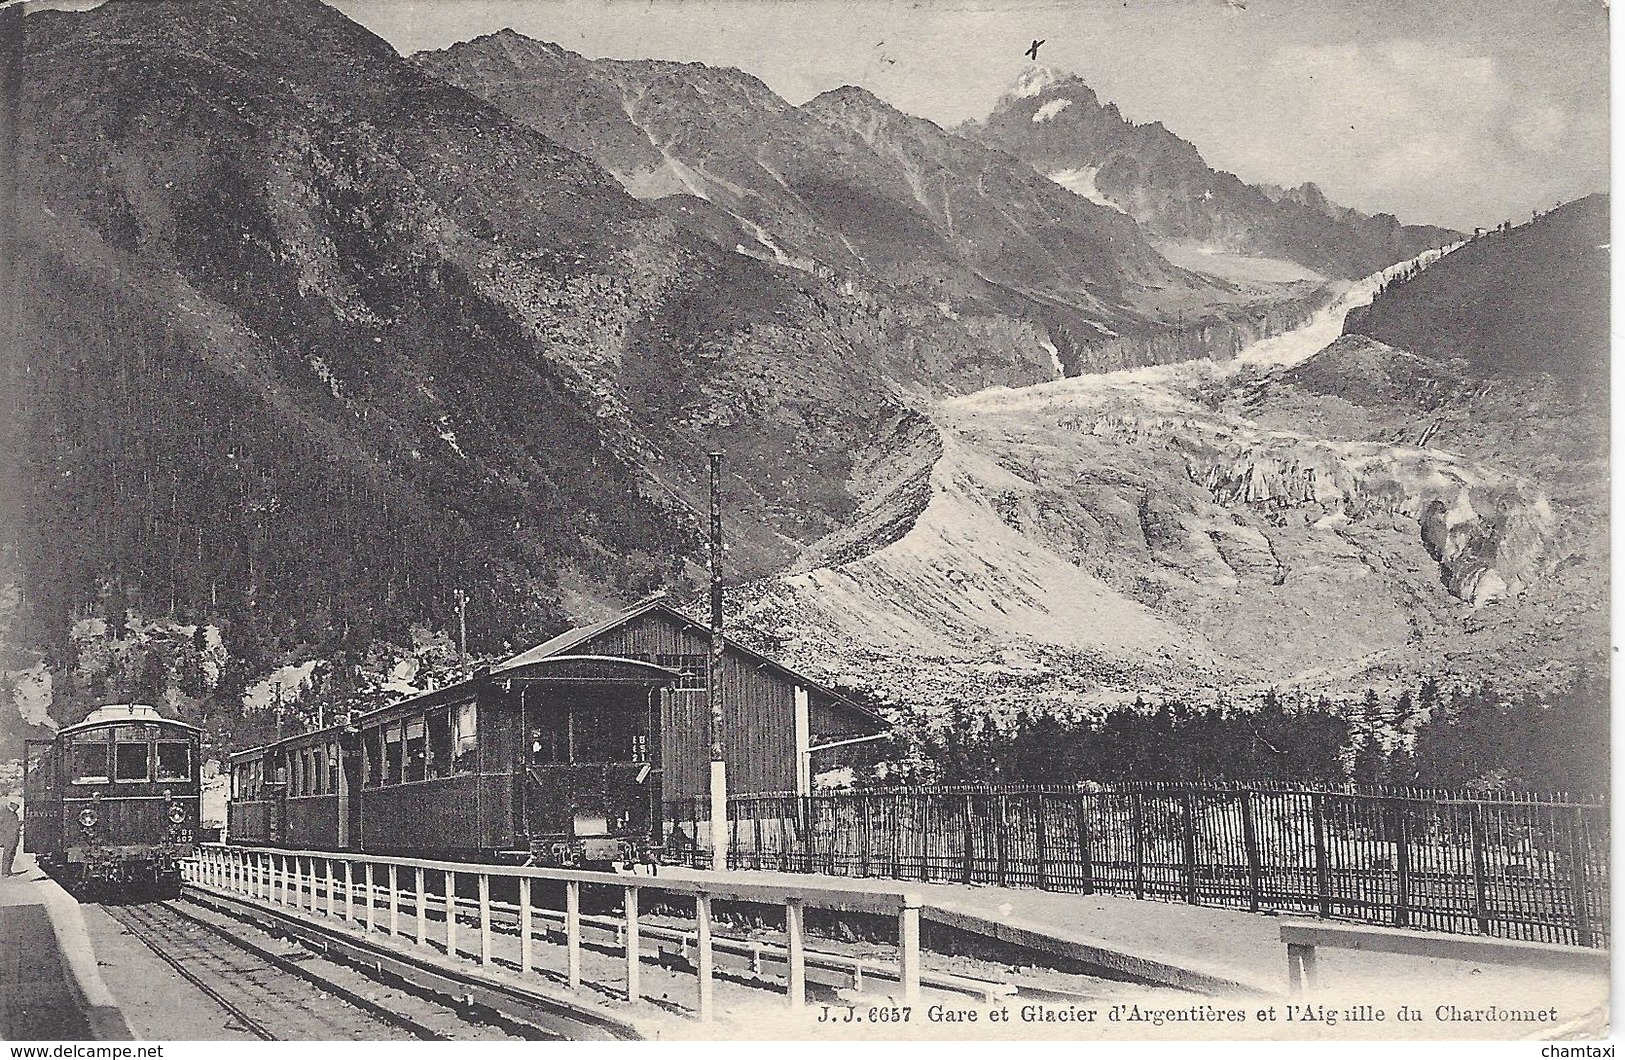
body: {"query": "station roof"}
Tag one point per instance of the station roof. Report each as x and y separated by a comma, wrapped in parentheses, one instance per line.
(574, 638)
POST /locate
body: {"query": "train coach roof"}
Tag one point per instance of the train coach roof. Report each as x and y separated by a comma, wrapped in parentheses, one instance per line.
(124, 714)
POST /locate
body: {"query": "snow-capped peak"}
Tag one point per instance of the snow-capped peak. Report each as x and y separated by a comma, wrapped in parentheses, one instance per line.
(1034, 80)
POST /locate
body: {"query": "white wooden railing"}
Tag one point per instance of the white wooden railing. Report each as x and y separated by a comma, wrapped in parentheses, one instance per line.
(290, 879)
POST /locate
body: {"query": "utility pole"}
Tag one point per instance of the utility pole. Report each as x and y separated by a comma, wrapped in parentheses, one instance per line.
(462, 624)
(713, 681)
(11, 354)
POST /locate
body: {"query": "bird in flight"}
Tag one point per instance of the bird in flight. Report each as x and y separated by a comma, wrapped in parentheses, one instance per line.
(1032, 53)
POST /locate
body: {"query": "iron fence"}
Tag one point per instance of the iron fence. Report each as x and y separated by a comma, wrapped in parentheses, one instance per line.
(1530, 868)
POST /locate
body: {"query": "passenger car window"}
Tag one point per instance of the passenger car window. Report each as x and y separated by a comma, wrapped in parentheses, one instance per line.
(440, 743)
(174, 760)
(416, 750)
(130, 761)
(90, 759)
(372, 746)
(466, 756)
(392, 754)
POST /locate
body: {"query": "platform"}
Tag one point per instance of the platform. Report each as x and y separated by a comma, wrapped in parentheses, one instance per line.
(50, 987)
(1204, 949)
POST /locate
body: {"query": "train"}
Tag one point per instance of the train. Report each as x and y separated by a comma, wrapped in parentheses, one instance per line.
(113, 801)
(553, 762)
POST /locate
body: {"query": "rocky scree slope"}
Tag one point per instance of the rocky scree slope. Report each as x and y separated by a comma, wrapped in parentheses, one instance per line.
(1266, 523)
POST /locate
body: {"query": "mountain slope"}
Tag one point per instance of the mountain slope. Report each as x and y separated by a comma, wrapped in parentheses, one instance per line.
(1311, 516)
(317, 339)
(1514, 302)
(1056, 123)
(847, 186)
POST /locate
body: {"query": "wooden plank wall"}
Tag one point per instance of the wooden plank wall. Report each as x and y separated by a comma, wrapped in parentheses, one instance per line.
(758, 709)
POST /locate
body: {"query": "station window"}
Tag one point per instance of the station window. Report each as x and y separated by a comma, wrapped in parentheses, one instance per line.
(440, 743)
(296, 773)
(465, 758)
(693, 669)
(318, 771)
(174, 760)
(372, 749)
(417, 747)
(332, 769)
(91, 759)
(130, 761)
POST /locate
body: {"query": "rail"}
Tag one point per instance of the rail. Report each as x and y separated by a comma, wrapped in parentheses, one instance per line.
(1303, 939)
(289, 878)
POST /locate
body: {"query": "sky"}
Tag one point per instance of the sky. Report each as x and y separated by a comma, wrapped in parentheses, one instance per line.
(1455, 112)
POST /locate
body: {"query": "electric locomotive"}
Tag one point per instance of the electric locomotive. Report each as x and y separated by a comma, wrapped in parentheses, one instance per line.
(113, 801)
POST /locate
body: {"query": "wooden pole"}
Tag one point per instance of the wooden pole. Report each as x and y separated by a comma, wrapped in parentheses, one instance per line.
(572, 932)
(1188, 813)
(704, 957)
(527, 944)
(633, 945)
(1323, 871)
(713, 682)
(795, 945)
(451, 914)
(1249, 838)
(394, 901)
(908, 948)
(422, 908)
(1480, 887)
(485, 918)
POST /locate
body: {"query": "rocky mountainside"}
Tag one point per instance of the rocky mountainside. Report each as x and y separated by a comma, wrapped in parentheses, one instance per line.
(1321, 514)
(847, 187)
(316, 339)
(1057, 123)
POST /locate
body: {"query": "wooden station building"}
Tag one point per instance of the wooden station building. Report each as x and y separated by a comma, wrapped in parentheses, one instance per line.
(600, 733)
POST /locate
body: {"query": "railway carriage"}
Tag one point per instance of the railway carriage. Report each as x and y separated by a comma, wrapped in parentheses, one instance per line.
(555, 761)
(114, 800)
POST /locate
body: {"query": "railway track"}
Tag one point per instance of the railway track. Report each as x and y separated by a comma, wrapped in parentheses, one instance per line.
(275, 990)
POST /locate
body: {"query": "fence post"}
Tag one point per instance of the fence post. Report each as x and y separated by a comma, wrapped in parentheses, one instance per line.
(926, 835)
(863, 834)
(422, 908)
(1249, 839)
(1188, 811)
(1402, 865)
(485, 918)
(1001, 842)
(968, 855)
(895, 836)
(1323, 872)
(331, 884)
(1043, 867)
(1578, 856)
(703, 954)
(372, 916)
(1480, 885)
(349, 892)
(795, 945)
(633, 944)
(1086, 845)
(451, 914)
(1137, 803)
(908, 948)
(394, 900)
(572, 933)
(527, 945)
